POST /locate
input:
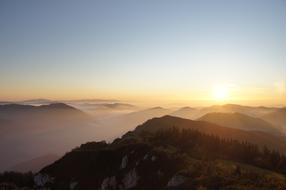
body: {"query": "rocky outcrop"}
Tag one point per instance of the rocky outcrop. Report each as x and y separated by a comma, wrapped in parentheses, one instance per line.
(73, 185)
(124, 162)
(130, 179)
(176, 180)
(109, 183)
(42, 180)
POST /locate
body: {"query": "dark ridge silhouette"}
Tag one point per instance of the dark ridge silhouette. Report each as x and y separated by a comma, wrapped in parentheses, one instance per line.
(166, 157)
(256, 137)
(17, 111)
(21, 107)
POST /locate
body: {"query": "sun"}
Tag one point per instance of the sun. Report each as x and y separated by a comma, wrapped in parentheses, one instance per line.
(220, 93)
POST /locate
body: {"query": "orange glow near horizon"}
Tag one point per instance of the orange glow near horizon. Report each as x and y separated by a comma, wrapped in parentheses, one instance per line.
(216, 94)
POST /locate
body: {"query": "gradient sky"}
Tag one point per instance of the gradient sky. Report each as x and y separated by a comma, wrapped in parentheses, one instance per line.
(171, 50)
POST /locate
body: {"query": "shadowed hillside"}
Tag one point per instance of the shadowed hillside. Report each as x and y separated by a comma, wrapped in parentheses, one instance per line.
(180, 155)
(260, 138)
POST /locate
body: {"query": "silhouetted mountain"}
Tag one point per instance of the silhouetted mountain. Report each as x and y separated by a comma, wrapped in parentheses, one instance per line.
(20, 107)
(195, 113)
(241, 121)
(5, 102)
(16, 181)
(37, 102)
(234, 108)
(255, 137)
(277, 117)
(168, 153)
(56, 110)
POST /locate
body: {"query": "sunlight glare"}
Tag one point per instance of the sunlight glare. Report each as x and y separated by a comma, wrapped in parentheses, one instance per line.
(220, 93)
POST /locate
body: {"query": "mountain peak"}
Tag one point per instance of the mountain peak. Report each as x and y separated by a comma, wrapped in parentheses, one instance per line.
(57, 106)
(186, 108)
(157, 108)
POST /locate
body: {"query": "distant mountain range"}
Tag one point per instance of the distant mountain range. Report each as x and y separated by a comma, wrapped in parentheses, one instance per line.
(120, 106)
(41, 101)
(35, 130)
(18, 111)
(241, 121)
(195, 113)
(101, 110)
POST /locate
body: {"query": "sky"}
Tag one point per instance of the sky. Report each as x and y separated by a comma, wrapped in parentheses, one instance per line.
(179, 51)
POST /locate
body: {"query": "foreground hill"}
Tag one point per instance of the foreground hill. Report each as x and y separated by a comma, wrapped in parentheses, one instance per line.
(241, 121)
(256, 137)
(169, 153)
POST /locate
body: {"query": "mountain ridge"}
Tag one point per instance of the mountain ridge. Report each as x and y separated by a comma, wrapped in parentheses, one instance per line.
(256, 137)
(241, 121)
(167, 157)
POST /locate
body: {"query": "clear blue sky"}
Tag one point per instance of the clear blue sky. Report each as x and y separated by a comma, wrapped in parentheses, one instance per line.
(127, 49)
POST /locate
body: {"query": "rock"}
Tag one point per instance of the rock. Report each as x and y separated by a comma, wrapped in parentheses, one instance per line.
(41, 180)
(108, 183)
(130, 180)
(137, 163)
(176, 180)
(124, 162)
(145, 157)
(73, 184)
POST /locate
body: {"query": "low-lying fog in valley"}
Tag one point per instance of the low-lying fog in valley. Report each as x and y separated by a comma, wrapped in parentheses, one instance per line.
(35, 133)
